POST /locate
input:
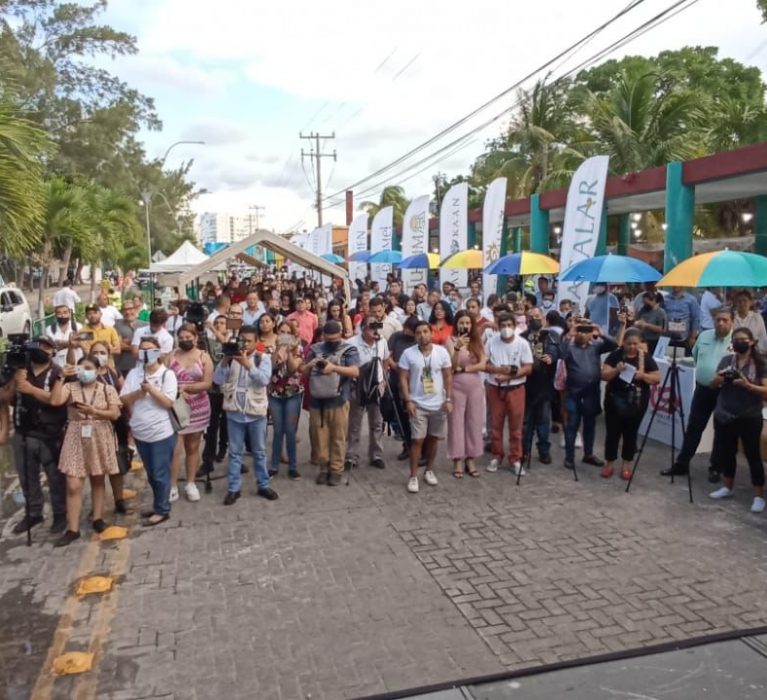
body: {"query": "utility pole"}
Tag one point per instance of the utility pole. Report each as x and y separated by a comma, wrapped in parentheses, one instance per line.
(256, 208)
(315, 154)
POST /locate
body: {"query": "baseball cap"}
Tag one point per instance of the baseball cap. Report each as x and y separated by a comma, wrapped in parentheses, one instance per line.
(332, 328)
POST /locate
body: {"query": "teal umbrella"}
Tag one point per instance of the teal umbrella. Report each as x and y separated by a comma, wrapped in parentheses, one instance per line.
(333, 258)
(722, 268)
(385, 257)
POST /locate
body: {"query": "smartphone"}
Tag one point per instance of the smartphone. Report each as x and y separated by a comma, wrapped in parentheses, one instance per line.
(84, 335)
(286, 339)
(233, 324)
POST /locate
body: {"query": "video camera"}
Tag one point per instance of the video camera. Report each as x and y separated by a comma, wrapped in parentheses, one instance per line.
(16, 356)
(232, 348)
(730, 374)
(197, 314)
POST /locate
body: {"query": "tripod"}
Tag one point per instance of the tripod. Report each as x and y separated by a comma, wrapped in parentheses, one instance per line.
(671, 380)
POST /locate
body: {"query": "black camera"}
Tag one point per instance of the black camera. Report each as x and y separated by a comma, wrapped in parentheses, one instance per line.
(16, 356)
(730, 374)
(375, 325)
(196, 313)
(232, 348)
(513, 369)
(321, 364)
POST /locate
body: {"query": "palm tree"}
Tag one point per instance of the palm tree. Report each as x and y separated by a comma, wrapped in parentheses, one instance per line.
(393, 196)
(642, 122)
(22, 198)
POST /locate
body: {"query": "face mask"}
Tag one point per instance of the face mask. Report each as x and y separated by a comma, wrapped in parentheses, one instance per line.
(149, 357)
(62, 320)
(333, 345)
(86, 376)
(647, 307)
(39, 356)
(547, 304)
(741, 346)
(534, 324)
(101, 359)
(185, 345)
(507, 332)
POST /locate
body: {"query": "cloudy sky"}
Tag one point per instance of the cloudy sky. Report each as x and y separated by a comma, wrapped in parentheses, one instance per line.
(247, 76)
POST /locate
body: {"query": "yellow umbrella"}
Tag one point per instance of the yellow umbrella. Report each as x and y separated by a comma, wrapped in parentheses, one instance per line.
(464, 260)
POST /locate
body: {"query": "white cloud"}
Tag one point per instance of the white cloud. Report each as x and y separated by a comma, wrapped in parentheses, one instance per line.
(339, 60)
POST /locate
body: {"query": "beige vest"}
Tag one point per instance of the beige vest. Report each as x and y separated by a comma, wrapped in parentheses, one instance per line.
(256, 401)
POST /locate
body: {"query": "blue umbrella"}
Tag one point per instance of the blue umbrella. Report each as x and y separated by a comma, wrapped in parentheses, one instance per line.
(610, 269)
(360, 256)
(333, 258)
(420, 261)
(386, 257)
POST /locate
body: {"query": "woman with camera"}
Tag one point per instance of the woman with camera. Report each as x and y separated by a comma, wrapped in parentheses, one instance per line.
(742, 382)
(464, 435)
(89, 443)
(285, 394)
(629, 373)
(194, 372)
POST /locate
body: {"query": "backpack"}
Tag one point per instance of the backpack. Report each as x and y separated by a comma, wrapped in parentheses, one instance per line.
(368, 386)
(326, 386)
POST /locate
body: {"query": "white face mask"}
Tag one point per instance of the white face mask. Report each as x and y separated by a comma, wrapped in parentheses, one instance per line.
(149, 357)
(547, 304)
(507, 332)
(101, 359)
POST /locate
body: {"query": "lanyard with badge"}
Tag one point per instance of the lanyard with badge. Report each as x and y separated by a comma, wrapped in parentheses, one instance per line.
(427, 381)
(86, 430)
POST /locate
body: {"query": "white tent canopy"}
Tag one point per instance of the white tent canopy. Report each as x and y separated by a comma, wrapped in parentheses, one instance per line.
(275, 243)
(184, 258)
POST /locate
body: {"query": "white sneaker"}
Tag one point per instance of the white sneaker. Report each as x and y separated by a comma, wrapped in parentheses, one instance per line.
(758, 505)
(429, 478)
(723, 492)
(493, 466)
(412, 485)
(578, 440)
(518, 469)
(173, 494)
(192, 492)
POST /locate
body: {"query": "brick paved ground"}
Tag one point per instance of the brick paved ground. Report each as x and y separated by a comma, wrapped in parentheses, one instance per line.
(338, 593)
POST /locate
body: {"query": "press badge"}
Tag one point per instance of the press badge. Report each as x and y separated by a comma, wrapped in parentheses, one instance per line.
(86, 431)
(427, 383)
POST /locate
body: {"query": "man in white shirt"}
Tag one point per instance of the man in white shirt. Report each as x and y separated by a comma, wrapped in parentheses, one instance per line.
(709, 303)
(746, 318)
(373, 351)
(426, 387)
(509, 362)
(252, 310)
(156, 329)
(109, 313)
(66, 296)
(61, 333)
(390, 325)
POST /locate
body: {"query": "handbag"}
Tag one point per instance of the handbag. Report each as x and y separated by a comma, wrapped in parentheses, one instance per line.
(560, 376)
(179, 413)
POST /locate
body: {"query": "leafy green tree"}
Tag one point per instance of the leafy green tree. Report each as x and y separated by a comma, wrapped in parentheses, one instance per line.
(394, 196)
(762, 6)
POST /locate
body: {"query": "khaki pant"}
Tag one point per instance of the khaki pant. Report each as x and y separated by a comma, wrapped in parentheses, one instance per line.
(327, 431)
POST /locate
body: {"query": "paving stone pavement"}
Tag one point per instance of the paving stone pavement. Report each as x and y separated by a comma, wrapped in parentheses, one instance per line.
(349, 591)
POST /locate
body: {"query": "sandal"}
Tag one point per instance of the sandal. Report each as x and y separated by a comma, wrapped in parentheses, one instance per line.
(151, 523)
(471, 470)
(458, 474)
(457, 471)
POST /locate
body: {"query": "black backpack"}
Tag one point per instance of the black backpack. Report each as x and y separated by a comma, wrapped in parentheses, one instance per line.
(368, 386)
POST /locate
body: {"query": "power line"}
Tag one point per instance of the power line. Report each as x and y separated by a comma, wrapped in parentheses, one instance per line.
(452, 127)
(658, 19)
(316, 155)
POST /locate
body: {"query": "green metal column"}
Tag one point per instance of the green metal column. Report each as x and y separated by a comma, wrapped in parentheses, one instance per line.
(602, 240)
(760, 225)
(516, 239)
(680, 216)
(624, 234)
(539, 226)
(471, 235)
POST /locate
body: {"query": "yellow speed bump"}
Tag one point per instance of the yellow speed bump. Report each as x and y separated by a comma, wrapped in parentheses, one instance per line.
(95, 584)
(136, 466)
(128, 494)
(114, 532)
(73, 662)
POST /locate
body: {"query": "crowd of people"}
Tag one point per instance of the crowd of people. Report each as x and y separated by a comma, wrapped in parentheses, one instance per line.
(212, 379)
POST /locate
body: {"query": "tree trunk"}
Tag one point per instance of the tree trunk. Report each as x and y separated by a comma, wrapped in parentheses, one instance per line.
(93, 283)
(46, 256)
(79, 272)
(64, 268)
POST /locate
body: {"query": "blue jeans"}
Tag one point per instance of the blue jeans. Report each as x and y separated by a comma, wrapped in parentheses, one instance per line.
(256, 432)
(285, 415)
(157, 458)
(538, 413)
(584, 406)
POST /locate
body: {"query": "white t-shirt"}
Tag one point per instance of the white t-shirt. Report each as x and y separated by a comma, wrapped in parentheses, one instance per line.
(57, 335)
(499, 353)
(368, 352)
(66, 296)
(164, 338)
(109, 314)
(149, 421)
(422, 369)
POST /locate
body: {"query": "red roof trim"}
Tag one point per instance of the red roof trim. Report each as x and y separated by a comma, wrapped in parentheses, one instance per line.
(743, 161)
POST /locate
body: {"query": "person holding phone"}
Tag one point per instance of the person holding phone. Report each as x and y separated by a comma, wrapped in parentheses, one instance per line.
(149, 391)
(89, 447)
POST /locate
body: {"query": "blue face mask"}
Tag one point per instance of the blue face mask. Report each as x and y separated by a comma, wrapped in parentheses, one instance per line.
(86, 376)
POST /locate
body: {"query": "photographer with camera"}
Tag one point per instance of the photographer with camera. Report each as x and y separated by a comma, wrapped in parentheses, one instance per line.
(331, 365)
(373, 352)
(243, 375)
(582, 360)
(39, 430)
(742, 382)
